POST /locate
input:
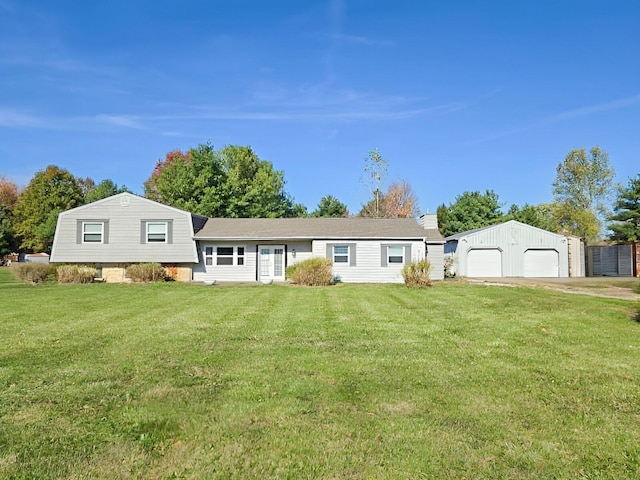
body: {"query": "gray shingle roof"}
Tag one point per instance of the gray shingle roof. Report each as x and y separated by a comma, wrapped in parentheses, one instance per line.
(314, 228)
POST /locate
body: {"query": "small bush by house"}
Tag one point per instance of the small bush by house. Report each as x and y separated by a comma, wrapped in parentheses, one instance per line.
(312, 272)
(33, 273)
(76, 274)
(416, 274)
(146, 272)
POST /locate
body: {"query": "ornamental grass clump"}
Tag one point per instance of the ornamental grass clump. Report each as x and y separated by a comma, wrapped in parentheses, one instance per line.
(314, 272)
(146, 272)
(32, 273)
(76, 274)
(416, 274)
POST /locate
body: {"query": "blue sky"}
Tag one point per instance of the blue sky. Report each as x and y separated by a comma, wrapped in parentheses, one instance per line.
(457, 96)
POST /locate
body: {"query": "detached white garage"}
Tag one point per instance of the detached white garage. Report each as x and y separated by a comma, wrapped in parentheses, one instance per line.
(510, 249)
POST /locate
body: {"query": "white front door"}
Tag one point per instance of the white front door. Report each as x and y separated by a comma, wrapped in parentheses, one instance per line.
(271, 263)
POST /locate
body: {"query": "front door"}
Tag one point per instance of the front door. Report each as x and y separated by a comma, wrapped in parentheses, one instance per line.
(271, 264)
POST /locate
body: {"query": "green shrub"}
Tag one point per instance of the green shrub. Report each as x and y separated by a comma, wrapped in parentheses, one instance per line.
(416, 274)
(76, 274)
(33, 273)
(312, 272)
(146, 272)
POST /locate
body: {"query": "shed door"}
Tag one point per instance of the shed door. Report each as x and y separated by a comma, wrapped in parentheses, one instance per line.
(541, 263)
(484, 262)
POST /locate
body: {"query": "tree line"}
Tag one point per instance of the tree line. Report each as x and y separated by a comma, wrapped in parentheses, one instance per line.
(235, 182)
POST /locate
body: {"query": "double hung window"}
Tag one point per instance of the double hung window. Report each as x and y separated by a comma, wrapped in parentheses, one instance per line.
(156, 232)
(92, 232)
(340, 254)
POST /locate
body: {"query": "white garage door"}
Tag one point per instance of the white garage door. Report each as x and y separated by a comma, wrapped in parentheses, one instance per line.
(484, 262)
(541, 263)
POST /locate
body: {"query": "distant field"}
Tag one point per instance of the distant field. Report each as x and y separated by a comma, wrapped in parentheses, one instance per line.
(353, 381)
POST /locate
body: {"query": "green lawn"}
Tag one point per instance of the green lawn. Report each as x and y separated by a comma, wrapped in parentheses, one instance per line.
(347, 382)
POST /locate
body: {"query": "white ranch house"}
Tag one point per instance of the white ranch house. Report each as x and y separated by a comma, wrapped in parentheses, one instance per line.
(123, 229)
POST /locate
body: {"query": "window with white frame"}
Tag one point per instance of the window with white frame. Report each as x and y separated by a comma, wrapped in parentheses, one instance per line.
(395, 254)
(341, 254)
(208, 255)
(240, 255)
(92, 232)
(156, 232)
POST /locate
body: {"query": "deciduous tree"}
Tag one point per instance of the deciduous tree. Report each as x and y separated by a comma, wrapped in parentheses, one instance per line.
(375, 171)
(540, 216)
(232, 182)
(583, 183)
(49, 192)
(8, 200)
(625, 221)
(104, 189)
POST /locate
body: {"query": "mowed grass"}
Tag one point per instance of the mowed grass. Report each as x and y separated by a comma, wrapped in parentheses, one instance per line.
(346, 382)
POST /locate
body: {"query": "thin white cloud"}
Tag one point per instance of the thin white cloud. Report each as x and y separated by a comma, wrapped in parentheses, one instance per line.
(562, 116)
(120, 121)
(596, 108)
(16, 119)
(358, 40)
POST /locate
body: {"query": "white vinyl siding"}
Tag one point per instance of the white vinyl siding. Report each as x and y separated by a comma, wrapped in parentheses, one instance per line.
(124, 219)
(245, 268)
(371, 264)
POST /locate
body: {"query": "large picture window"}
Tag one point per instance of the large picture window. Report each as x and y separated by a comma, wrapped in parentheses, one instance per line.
(224, 256)
(92, 232)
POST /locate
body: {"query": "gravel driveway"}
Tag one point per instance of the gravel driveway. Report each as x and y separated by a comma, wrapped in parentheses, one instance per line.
(608, 287)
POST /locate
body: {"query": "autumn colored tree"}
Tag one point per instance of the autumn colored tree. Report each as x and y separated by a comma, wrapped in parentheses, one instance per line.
(399, 201)
(49, 192)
